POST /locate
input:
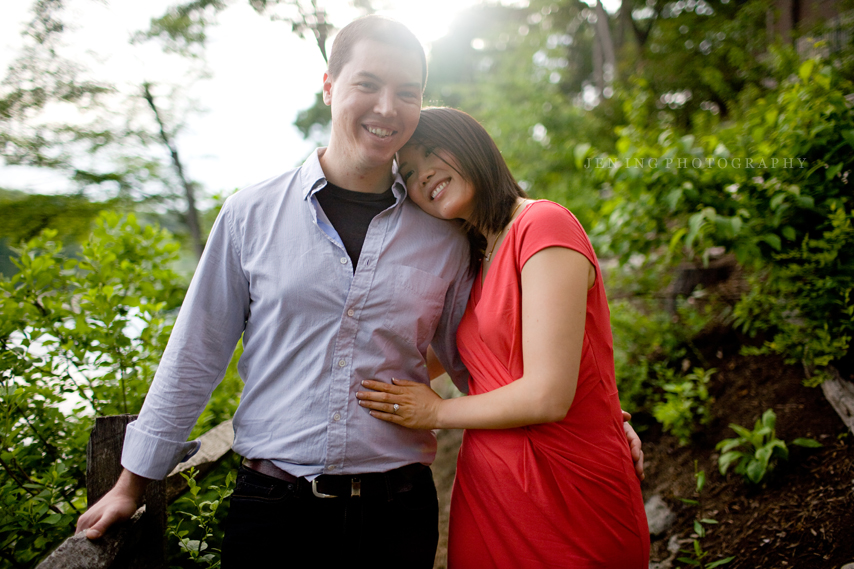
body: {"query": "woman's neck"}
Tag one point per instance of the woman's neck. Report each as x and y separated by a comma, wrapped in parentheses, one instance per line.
(494, 237)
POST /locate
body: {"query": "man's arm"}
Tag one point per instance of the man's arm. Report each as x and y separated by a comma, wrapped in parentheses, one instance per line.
(117, 505)
(634, 445)
(208, 326)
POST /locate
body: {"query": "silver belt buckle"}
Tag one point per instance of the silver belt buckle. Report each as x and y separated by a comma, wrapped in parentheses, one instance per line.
(319, 494)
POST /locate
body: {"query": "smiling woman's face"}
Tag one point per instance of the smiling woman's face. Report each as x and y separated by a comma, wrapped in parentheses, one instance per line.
(434, 182)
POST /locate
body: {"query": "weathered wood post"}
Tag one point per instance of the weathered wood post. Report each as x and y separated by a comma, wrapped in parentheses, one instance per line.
(103, 467)
(137, 544)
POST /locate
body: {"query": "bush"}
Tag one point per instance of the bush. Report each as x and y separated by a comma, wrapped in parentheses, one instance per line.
(649, 341)
(685, 404)
(80, 336)
(771, 187)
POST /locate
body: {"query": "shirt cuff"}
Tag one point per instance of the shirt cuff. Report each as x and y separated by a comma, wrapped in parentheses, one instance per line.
(151, 456)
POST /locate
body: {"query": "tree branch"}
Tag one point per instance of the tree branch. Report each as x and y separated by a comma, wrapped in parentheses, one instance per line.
(189, 192)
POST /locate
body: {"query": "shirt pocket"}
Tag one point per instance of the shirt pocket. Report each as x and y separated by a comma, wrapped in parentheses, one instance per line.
(415, 309)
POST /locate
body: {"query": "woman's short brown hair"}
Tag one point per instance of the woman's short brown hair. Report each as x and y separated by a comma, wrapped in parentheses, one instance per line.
(480, 162)
(376, 28)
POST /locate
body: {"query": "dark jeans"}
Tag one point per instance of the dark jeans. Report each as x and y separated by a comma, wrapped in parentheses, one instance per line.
(276, 524)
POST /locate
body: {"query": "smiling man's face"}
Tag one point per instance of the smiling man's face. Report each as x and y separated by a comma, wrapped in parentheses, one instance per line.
(376, 103)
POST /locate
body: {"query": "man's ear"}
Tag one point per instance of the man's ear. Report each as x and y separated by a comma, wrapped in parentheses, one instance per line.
(327, 89)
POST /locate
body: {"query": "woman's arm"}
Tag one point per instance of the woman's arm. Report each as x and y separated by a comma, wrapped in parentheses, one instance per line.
(554, 305)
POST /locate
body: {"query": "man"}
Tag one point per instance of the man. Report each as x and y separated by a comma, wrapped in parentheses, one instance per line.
(332, 277)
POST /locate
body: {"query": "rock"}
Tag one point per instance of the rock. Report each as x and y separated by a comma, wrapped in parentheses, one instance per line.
(659, 516)
(673, 545)
(848, 566)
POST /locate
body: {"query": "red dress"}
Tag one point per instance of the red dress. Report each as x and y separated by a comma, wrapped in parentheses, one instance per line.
(560, 494)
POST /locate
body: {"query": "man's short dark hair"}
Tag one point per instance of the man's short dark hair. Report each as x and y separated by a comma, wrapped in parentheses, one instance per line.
(377, 28)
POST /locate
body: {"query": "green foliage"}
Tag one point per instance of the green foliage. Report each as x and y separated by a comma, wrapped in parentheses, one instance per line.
(183, 28)
(685, 404)
(648, 341)
(35, 80)
(806, 299)
(759, 449)
(79, 337)
(24, 216)
(771, 187)
(697, 554)
(203, 519)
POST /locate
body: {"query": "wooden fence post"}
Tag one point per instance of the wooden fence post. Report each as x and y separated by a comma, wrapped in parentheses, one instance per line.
(103, 467)
(141, 542)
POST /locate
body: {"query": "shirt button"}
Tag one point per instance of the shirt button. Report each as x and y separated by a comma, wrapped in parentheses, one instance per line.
(337, 416)
(351, 312)
(342, 363)
(330, 467)
(343, 260)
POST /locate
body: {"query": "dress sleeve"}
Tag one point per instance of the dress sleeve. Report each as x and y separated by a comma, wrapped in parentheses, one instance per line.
(547, 224)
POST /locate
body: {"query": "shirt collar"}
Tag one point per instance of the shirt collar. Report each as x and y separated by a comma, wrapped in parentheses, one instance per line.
(311, 174)
(313, 179)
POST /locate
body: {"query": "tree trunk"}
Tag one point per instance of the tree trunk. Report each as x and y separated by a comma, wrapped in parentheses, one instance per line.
(192, 215)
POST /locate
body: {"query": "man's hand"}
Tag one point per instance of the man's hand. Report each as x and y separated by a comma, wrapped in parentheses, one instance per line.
(117, 505)
(634, 445)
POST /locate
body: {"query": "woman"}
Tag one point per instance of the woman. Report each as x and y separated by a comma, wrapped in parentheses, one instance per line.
(544, 474)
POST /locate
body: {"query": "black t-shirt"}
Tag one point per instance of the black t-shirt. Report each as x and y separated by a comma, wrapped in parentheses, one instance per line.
(351, 213)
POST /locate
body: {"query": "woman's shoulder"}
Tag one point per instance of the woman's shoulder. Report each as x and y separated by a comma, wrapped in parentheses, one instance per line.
(546, 215)
(549, 224)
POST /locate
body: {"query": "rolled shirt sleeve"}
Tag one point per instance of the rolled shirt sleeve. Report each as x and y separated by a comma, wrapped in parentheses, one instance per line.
(197, 355)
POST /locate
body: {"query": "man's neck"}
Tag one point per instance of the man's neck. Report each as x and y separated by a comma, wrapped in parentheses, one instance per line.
(341, 171)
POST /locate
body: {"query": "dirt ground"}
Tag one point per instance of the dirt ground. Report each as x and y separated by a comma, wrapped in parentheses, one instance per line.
(802, 517)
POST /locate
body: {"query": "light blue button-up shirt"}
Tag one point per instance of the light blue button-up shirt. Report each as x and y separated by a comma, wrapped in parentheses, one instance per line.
(275, 270)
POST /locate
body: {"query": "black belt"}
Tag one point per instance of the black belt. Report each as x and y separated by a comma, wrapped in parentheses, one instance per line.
(369, 485)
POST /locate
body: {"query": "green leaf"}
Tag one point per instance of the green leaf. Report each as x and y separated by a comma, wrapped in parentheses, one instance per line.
(699, 529)
(701, 480)
(809, 443)
(580, 153)
(772, 240)
(727, 445)
(769, 419)
(742, 432)
(789, 232)
(719, 562)
(52, 519)
(833, 171)
(756, 471)
(806, 68)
